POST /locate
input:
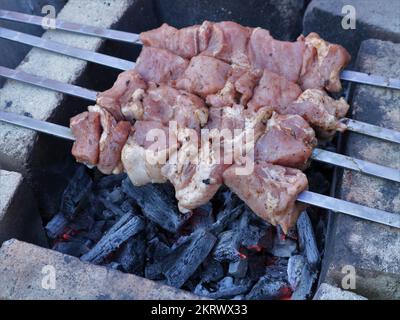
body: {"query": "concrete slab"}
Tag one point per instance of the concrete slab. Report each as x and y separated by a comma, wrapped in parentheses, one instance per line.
(42, 104)
(24, 268)
(328, 292)
(282, 17)
(374, 19)
(19, 216)
(373, 249)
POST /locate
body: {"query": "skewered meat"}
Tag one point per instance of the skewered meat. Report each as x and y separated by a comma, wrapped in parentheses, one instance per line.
(320, 110)
(310, 61)
(123, 92)
(228, 42)
(196, 173)
(245, 77)
(273, 91)
(160, 66)
(204, 76)
(186, 42)
(288, 141)
(271, 191)
(164, 103)
(280, 57)
(322, 64)
(87, 130)
(112, 140)
(146, 151)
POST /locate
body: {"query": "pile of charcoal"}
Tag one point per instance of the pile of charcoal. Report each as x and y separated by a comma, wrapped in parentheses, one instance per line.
(221, 250)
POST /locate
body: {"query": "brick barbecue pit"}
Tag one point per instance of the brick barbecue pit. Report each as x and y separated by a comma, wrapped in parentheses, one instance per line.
(108, 222)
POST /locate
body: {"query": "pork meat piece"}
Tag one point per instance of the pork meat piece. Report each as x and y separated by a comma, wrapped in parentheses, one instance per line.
(270, 191)
(274, 91)
(204, 76)
(229, 42)
(280, 57)
(86, 129)
(146, 152)
(186, 42)
(288, 141)
(322, 64)
(113, 138)
(320, 110)
(126, 86)
(195, 172)
(160, 66)
(238, 88)
(164, 103)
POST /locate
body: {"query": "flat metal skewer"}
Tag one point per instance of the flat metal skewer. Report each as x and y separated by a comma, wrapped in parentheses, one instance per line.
(353, 125)
(337, 205)
(347, 75)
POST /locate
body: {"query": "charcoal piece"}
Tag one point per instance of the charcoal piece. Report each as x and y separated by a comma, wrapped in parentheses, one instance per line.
(126, 227)
(109, 182)
(108, 214)
(184, 260)
(305, 285)
(233, 210)
(255, 266)
(74, 248)
(212, 271)
(126, 206)
(226, 288)
(268, 288)
(97, 231)
(294, 270)
(202, 217)
(307, 242)
(238, 269)
(83, 221)
(116, 196)
(157, 250)
(74, 194)
(283, 247)
(156, 205)
(131, 256)
(227, 248)
(56, 226)
(153, 271)
(112, 207)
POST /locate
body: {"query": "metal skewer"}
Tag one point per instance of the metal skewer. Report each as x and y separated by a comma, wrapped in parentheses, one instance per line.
(352, 125)
(337, 205)
(347, 75)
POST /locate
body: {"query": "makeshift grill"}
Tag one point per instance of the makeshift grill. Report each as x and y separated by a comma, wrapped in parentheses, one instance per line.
(318, 154)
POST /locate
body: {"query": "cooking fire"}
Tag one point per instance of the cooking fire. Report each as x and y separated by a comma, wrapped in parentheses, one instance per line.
(214, 163)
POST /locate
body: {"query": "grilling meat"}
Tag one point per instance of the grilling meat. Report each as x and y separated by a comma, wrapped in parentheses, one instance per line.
(123, 93)
(86, 129)
(322, 64)
(240, 116)
(310, 61)
(273, 91)
(112, 140)
(271, 191)
(204, 76)
(146, 151)
(160, 66)
(164, 104)
(288, 141)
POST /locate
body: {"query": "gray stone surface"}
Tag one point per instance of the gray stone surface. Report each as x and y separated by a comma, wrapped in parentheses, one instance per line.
(21, 278)
(328, 292)
(373, 249)
(41, 104)
(282, 17)
(19, 216)
(374, 19)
